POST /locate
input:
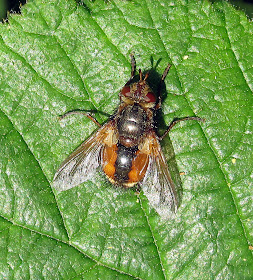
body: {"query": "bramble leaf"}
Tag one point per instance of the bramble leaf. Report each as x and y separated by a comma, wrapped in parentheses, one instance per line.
(58, 56)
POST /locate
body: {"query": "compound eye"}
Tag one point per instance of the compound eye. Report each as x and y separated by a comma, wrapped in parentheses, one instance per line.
(150, 97)
(126, 91)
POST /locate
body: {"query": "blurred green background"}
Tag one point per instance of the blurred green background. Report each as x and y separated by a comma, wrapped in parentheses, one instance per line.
(9, 5)
(14, 6)
(244, 5)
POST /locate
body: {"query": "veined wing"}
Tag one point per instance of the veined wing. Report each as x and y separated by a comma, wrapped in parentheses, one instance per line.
(83, 162)
(157, 184)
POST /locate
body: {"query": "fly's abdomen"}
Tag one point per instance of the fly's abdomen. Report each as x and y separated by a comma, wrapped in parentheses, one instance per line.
(124, 166)
(123, 163)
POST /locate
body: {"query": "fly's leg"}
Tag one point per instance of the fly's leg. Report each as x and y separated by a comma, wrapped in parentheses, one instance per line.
(159, 103)
(80, 113)
(165, 73)
(133, 65)
(175, 121)
(137, 189)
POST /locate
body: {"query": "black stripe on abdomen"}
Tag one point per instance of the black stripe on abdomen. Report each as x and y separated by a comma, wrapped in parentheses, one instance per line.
(123, 162)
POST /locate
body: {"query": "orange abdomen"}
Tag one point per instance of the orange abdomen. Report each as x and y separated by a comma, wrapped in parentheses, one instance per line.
(124, 166)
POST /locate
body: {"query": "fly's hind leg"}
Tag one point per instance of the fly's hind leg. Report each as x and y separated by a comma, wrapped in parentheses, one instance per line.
(80, 113)
(137, 188)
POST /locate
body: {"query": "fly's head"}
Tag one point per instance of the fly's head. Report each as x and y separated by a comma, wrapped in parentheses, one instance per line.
(138, 93)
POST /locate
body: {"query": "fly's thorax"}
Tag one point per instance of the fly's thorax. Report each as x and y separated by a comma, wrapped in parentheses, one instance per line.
(131, 125)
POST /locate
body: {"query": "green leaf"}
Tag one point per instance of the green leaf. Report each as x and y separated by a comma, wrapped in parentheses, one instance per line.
(59, 56)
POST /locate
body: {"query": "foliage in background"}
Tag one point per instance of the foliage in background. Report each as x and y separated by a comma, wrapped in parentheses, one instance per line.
(59, 56)
(3, 9)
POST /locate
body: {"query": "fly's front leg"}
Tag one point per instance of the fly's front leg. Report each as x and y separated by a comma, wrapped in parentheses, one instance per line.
(80, 113)
(133, 65)
(165, 73)
(175, 121)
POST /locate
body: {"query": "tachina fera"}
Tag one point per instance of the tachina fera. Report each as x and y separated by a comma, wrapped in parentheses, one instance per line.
(127, 147)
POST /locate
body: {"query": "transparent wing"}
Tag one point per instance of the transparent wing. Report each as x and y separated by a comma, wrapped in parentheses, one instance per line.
(157, 184)
(82, 163)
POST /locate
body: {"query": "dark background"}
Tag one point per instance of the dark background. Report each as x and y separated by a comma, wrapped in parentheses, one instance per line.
(14, 6)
